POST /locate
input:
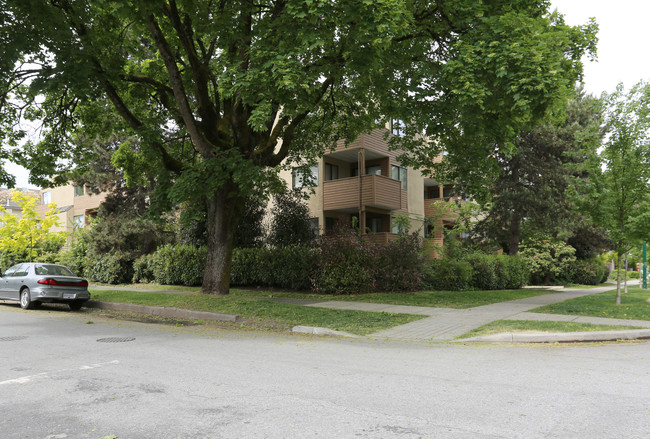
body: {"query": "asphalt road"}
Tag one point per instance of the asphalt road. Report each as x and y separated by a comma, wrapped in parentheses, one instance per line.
(60, 378)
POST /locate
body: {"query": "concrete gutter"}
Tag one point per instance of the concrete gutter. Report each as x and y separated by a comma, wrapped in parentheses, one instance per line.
(161, 311)
(560, 337)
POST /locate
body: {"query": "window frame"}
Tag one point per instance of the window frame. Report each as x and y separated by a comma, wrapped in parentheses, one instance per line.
(402, 175)
(330, 170)
(79, 224)
(298, 180)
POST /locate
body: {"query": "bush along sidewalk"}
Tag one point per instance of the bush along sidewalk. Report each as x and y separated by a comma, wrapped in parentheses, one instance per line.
(344, 263)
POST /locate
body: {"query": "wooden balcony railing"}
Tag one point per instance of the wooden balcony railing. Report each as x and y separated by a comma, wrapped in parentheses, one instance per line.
(376, 191)
(380, 238)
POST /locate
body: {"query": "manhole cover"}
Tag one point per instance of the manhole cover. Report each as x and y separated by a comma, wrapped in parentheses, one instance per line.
(14, 338)
(115, 339)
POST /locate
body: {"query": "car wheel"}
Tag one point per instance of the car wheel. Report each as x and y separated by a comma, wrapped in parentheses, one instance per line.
(25, 299)
(75, 306)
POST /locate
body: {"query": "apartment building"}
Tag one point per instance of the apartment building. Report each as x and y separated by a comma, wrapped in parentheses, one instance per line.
(76, 205)
(366, 181)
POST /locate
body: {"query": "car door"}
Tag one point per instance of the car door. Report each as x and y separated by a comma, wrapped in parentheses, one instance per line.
(4, 281)
(15, 281)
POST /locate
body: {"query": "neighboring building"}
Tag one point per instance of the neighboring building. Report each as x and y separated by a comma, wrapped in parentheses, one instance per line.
(11, 207)
(76, 205)
(366, 181)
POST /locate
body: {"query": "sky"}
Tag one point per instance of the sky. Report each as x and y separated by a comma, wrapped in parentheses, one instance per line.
(622, 52)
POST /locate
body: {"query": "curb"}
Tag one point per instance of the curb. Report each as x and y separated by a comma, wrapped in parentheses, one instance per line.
(161, 311)
(560, 337)
(321, 331)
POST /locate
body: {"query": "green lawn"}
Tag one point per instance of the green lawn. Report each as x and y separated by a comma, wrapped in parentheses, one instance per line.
(501, 326)
(436, 299)
(586, 287)
(633, 305)
(145, 287)
(267, 313)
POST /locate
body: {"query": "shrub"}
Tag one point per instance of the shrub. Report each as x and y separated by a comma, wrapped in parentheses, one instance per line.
(282, 267)
(483, 271)
(178, 265)
(588, 272)
(549, 260)
(401, 264)
(449, 274)
(290, 221)
(112, 268)
(497, 272)
(511, 272)
(143, 269)
(347, 264)
(74, 257)
(630, 275)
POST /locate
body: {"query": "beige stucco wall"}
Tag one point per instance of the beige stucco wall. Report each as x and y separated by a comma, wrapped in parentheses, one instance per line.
(415, 187)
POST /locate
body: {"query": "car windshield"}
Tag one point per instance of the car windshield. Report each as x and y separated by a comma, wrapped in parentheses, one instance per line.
(53, 270)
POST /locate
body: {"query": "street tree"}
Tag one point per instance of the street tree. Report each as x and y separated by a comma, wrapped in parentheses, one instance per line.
(219, 95)
(618, 200)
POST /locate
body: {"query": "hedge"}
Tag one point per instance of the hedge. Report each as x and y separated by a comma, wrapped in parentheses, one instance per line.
(281, 267)
(114, 268)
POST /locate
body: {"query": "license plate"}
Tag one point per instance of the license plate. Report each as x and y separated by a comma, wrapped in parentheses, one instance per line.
(69, 295)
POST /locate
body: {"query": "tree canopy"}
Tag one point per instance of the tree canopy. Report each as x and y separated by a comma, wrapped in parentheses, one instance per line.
(619, 193)
(215, 96)
(27, 236)
(531, 194)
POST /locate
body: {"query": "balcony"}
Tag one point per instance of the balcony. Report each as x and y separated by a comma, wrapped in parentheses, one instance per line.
(381, 238)
(432, 211)
(376, 191)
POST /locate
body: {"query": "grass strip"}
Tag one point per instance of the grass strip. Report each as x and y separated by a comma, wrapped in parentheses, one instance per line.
(501, 326)
(634, 305)
(355, 322)
(436, 299)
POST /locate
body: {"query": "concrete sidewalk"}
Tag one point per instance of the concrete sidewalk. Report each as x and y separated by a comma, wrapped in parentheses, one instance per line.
(444, 324)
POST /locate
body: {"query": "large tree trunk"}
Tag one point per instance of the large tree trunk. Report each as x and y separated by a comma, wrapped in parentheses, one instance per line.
(223, 212)
(515, 233)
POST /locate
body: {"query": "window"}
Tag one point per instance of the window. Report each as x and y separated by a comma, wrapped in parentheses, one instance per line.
(47, 197)
(53, 270)
(375, 225)
(399, 173)
(304, 179)
(376, 169)
(10, 271)
(78, 191)
(397, 127)
(331, 172)
(432, 194)
(314, 225)
(21, 270)
(78, 222)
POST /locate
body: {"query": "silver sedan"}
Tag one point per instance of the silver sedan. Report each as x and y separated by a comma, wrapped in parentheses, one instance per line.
(33, 283)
